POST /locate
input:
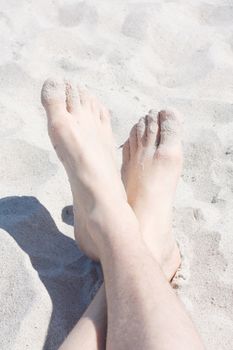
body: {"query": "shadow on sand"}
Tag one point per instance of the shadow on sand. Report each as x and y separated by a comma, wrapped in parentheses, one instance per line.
(69, 277)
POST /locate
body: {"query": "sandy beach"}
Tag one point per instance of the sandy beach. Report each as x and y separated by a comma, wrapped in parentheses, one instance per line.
(134, 55)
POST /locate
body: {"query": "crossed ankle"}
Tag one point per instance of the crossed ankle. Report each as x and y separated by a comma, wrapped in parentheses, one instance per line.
(128, 258)
(114, 237)
(106, 227)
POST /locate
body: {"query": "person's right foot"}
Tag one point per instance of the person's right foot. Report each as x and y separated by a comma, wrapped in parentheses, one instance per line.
(152, 163)
(80, 131)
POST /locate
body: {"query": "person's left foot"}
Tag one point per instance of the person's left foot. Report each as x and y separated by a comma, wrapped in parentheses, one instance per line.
(152, 163)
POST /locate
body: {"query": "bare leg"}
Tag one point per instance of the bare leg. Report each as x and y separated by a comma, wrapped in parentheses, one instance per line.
(147, 299)
(90, 332)
(150, 181)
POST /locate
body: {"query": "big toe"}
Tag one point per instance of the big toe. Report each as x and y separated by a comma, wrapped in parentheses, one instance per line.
(53, 98)
(169, 128)
(169, 135)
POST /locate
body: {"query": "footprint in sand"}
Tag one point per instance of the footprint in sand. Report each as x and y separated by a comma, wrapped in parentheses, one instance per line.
(16, 82)
(77, 12)
(217, 15)
(202, 158)
(11, 123)
(136, 22)
(24, 165)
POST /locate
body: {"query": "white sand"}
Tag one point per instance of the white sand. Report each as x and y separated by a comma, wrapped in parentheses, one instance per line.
(135, 55)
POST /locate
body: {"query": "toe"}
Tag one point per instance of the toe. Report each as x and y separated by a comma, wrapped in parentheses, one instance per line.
(53, 98)
(170, 127)
(133, 144)
(170, 147)
(152, 127)
(85, 98)
(88, 100)
(141, 129)
(91, 103)
(72, 97)
(105, 115)
(125, 153)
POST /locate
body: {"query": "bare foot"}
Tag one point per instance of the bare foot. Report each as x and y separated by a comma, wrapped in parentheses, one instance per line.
(80, 131)
(79, 124)
(152, 163)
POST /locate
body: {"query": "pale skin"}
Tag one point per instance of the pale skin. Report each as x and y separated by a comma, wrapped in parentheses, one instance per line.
(132, 239)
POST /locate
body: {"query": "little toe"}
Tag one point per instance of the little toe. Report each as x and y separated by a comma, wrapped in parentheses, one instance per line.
(72, 97)
(152, 128)
(53, 98)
